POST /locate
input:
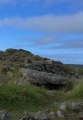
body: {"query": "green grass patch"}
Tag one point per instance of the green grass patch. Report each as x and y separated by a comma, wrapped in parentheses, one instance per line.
(15, 96)
(77, 92)
(81, 71)
(70, 85)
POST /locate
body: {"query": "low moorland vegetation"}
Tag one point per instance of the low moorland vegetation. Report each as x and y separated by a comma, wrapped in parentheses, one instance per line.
(17, 98)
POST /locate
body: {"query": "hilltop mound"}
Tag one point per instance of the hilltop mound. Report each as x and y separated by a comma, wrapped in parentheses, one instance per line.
(17, 55)
(24, 67)
(20, 57)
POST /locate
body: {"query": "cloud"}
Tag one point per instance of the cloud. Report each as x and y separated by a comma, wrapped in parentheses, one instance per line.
(7, 1)
(48, 23)
(56, 48)
(4, 1)
(48, 2)
(17, 1)
(39, 1)
(41, 41)
(66, 58)
(56, 43)
(43, 2)
(38, 42)
(73, 44)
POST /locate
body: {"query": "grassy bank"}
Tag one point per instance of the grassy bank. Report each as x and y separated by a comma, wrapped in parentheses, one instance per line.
(13, 96)
(17, 98)
(77, 92)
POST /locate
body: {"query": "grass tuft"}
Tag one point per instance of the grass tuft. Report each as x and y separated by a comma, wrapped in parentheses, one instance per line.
(76, 92)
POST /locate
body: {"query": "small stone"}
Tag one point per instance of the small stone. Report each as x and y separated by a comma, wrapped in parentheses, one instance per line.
(77, 106)
(51, 113)
(25, 113)
(63, 107)
(41, 116)
(60, 114)
(49, 61)
(9, 73)
(4, 115)
(76, 75)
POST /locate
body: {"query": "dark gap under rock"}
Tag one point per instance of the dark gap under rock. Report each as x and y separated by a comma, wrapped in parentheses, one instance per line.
(50, 86)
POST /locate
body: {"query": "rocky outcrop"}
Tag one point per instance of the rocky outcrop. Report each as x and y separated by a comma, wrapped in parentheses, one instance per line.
(17, 55)
(43, 78)
(20, 57)
(49, 66)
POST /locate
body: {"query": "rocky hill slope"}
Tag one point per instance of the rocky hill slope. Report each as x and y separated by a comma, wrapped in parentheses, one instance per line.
(20, 57)
(25, 67)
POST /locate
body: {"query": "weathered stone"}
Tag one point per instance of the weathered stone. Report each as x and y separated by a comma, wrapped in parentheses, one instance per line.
(41, 116)
(52, 115)
(26, 116)
(77, 106)
(43, 78)
(47, 66)
(60, 114)
(9, 73)
(63, 107)
(49, 61)
(4, 115)
(76, 75)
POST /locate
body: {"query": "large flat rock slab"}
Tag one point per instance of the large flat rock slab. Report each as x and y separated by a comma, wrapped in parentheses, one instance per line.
(38, 77)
